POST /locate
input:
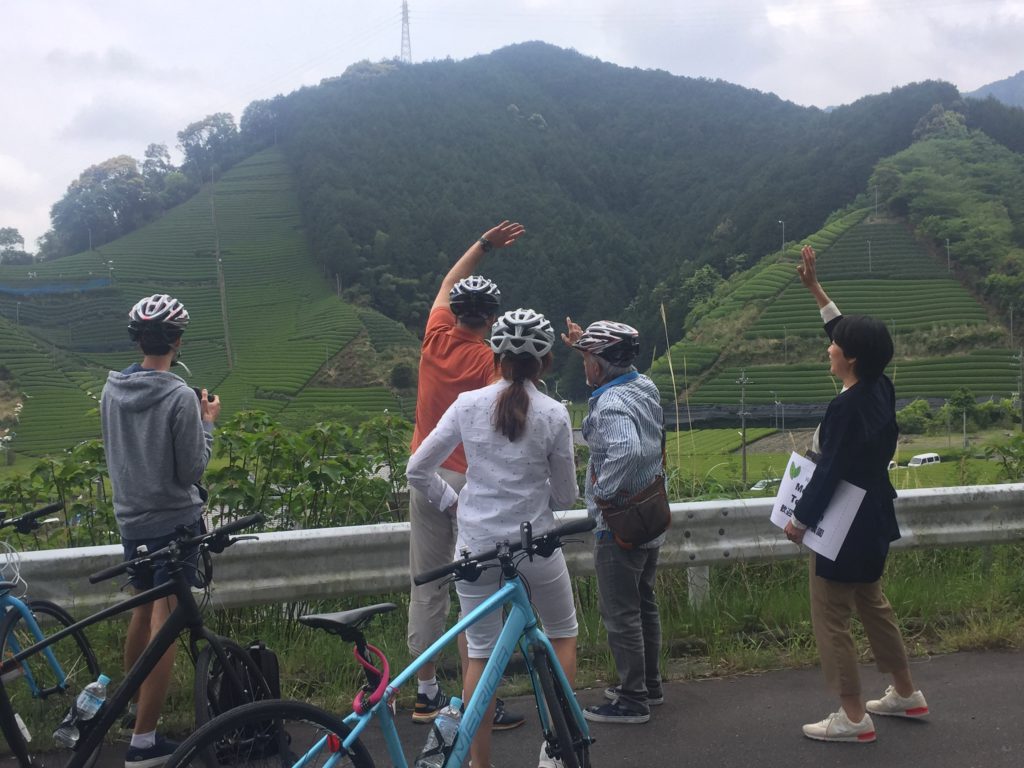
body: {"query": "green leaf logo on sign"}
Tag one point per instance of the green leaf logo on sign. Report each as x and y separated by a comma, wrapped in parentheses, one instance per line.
(794, 470)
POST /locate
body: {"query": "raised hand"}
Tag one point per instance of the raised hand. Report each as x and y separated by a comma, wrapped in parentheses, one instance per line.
(807, 268)
(504, 234)
(573, 332)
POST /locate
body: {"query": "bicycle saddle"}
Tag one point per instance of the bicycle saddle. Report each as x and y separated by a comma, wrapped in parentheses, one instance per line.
(7, 586)
(345, 620)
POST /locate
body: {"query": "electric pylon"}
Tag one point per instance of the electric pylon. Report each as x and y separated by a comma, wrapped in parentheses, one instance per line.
(406, 43)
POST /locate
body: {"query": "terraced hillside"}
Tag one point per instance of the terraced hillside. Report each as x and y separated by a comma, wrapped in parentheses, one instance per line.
(264, 320)
(765, 324)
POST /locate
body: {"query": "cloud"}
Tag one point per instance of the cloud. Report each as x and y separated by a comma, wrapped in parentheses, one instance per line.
(15, 176)
(117, 118)
(114, 62)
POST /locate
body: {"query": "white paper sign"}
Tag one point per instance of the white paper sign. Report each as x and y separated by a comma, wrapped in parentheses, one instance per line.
(828, 537)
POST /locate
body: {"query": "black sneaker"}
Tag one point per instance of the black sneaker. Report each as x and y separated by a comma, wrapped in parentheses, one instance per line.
(505, 720)
(426, 709)
(615, 712)
(150, 757)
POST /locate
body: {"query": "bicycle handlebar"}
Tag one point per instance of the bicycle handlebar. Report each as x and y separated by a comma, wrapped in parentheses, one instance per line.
(27, 522)
(216, 541)
(544, 545)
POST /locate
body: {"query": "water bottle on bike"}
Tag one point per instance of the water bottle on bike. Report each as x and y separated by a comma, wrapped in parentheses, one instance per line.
(442, 736)
(85, 708)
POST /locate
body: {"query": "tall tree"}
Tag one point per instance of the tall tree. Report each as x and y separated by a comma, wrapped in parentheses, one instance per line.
(106, 201)
(210, 145)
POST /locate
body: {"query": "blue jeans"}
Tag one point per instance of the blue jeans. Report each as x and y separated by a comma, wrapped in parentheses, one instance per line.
(625, 588)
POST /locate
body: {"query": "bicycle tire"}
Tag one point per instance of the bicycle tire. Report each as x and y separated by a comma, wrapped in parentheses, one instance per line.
(567, 731)
(268, 734)
(40, 701)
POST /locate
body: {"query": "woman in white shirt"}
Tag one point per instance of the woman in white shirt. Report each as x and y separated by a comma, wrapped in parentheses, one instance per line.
(519, 452)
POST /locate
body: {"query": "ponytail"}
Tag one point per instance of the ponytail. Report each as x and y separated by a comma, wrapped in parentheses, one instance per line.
(514, 403)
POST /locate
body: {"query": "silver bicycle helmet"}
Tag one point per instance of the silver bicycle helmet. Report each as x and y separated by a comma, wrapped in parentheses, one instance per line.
(474, 296)
(522, 332)
(617, 343)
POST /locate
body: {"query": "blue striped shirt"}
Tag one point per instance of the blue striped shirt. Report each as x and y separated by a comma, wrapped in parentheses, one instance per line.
(623, 431)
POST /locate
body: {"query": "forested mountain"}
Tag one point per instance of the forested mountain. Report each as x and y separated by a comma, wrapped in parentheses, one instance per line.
(1009, 91)
(628, 180)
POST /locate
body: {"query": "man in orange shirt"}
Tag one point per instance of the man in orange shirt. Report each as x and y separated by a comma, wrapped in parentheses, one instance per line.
(455, 358)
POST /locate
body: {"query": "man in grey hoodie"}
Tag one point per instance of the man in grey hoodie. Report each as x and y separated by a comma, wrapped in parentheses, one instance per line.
(158, 436)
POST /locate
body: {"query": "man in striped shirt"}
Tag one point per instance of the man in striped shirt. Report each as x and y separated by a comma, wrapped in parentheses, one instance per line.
(623, 430)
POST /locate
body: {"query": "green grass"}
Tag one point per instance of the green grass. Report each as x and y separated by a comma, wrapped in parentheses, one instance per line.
(764, 314)
(283, 318)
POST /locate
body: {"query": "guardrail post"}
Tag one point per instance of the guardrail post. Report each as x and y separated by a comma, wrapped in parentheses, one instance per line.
(698, 582)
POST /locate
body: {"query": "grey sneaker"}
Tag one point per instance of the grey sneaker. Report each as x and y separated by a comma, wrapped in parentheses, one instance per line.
(613, 692)
(838, 727)
(895, 705)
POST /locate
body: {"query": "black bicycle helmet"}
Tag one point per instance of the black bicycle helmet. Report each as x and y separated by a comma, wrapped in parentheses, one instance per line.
(617, 343)
(474, 296)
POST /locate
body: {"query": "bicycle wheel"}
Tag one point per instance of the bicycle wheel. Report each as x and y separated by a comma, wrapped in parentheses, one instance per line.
(269, 734)
(34, 688)
(214, 693)
(563, 733)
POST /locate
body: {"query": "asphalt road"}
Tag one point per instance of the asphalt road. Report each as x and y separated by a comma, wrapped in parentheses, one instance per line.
(975, 699)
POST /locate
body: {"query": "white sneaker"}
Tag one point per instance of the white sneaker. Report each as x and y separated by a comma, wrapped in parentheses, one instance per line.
(547, 762)
(838, 727)
(892, 703)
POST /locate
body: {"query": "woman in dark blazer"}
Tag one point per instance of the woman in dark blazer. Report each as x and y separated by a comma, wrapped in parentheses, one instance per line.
(854, 442)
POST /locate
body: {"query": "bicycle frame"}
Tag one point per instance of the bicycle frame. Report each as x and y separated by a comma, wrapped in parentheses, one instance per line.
(9, 602)
(185, 615)
(520, 631)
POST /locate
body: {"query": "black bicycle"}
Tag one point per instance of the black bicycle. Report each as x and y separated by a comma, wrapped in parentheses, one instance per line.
(226, 675)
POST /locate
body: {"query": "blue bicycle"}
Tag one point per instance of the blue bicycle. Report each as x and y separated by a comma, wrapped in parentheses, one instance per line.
(294, 734)
(40, 686)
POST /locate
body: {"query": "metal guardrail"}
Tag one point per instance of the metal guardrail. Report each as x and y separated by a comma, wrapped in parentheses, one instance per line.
(369, 560)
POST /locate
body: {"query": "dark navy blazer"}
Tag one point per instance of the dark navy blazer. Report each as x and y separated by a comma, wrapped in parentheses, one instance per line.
(857, 438)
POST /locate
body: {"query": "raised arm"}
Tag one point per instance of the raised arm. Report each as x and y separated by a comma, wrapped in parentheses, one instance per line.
(809, 276)
(501, 236)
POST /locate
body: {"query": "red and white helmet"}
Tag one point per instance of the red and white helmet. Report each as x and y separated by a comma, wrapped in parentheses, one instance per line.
(522, 332)
(157, 311)
(617, 343)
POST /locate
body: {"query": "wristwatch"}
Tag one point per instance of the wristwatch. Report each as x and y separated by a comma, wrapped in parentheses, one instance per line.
(485, 244)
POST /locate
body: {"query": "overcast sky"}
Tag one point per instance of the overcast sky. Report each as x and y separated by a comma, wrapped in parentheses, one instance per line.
(84, 80)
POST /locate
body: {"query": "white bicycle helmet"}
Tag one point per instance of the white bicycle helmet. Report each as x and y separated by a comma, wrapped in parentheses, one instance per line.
(474, 296)
(617, 343)
(522, 332)
(158, 312)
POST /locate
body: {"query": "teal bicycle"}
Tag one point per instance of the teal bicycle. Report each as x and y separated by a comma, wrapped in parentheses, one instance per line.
(294, 734)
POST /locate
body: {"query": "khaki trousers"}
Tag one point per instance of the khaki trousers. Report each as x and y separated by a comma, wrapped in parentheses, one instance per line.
(432, 535)
(832, 605)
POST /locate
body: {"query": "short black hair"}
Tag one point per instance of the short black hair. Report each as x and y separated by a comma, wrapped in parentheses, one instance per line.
(867, 341)
(155, 339)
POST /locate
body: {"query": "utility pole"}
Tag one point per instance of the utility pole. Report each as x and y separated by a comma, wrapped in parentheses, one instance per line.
(869, 256)
(876, 201)
(783, 234)
(220, 284)
(949, 267)
(1020, 386)
(743, 381)
(406, 57)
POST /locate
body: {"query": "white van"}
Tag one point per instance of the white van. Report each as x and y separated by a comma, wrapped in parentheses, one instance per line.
(924, 458)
